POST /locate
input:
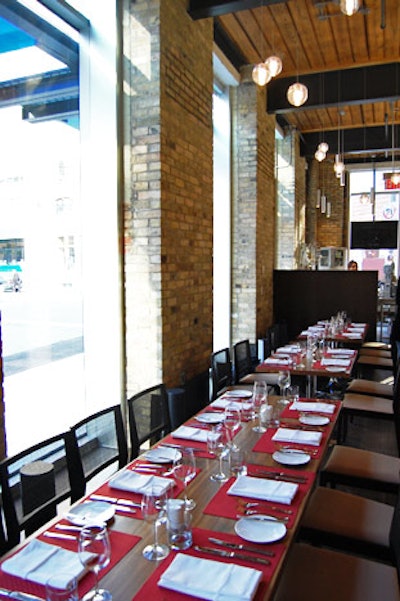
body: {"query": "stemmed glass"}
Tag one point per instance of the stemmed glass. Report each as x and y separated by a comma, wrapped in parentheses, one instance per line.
(94, 553)
(216, 445)
(153, 504)
(231, 422)
(283, 381)
(184, 468)
(259, 399)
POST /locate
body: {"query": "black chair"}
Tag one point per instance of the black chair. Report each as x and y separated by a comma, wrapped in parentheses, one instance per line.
(33, 484)
(313, 573)
(148, 416)
(98, 441)
(221, 371)
(243, 366)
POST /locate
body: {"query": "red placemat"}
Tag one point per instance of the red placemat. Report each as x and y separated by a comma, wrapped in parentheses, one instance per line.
(230, 506)
(294, 414)
(106, 490)
(121, 544)
(151, 590)
(265, 444)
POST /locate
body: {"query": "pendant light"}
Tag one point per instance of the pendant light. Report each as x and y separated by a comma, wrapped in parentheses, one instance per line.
(395, 177)
(349, 7)
(261, 74)
(274, 65)
(297, 94)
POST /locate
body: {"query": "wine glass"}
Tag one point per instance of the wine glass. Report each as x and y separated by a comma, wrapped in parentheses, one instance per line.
(153, 505)
(283, 381)
(184, 468)
(259, 399)
(216, 445)
(94, 553)
(231, 422)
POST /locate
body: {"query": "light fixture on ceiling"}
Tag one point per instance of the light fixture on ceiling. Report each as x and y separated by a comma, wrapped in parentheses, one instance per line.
(338, 165)
(349, 7)
(297, 94)
(320, 155)
(274, 65)
(324, 147)
(395, 177)
(261, 74)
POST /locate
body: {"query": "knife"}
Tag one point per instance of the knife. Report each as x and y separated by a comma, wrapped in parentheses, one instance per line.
(232, 554)
(19, 596)
(60, 535)
(169, 445)
(115, 501)
(240, 547)
(280, 476)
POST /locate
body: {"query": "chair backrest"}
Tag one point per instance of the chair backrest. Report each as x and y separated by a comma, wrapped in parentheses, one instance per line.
(148, 417)
(396, 403)
(242, 360)
(221, 371)
(33, 483)
(394, 536)
(98, 441)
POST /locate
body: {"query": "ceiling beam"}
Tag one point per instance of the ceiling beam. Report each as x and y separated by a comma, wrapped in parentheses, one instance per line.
(368, 140)
(202, 9)
(359, 85)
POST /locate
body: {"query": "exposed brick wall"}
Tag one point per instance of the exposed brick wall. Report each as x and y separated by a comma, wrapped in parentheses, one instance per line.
(321, 230)
(253, 236)
(168, 206)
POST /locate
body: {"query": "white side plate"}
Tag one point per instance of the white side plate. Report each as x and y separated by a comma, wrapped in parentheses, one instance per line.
(90, 512)
(291, 457)
(255, 529)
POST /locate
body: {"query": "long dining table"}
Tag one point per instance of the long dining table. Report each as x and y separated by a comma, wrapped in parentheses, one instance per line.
(131, 577)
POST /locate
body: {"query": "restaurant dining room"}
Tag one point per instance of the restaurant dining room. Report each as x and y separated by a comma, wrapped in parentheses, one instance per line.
(199, 329)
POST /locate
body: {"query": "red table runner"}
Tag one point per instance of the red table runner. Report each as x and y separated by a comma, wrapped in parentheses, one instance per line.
(230, 506)
(265, 444)
(121, 544)
(151, 590)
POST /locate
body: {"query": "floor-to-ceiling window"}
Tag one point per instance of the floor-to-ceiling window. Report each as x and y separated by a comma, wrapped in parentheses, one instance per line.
(61, 330)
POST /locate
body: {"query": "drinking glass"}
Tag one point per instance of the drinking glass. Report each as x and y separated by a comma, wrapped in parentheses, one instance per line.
(61, 587)
(216, 445)
(259, 399)
(184, 468)
(95, 552)
(231, 422)
(237, 459)
(153, 507)
(283, 380)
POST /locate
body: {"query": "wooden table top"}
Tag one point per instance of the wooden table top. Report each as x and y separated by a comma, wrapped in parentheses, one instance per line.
(126, 578)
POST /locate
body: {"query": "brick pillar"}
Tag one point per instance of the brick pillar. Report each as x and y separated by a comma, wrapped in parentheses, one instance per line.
(168, 207)
(253, 212)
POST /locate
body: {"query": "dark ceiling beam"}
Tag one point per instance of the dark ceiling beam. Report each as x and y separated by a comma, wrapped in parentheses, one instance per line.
(202, 9)
(370, 140)
(361, 85)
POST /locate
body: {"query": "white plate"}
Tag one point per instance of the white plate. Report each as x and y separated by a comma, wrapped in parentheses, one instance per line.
(291, 457)
(333, 368)
(162, 455)
(256, 530)
(210, 418)
(243, 394)
(314, 420)
(97, 512)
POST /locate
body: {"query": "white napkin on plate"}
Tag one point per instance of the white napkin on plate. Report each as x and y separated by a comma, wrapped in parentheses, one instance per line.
(222, 402)
(38, 561)
(297, 436)
(265, 489)
(212, 580)
(340, 351)
(313, 406)
(351, 335)
(138, 483)
(337, 362)
(190, 433)
(276, 361)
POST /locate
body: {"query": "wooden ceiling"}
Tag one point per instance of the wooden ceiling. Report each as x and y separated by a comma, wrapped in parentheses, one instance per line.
(350, 65)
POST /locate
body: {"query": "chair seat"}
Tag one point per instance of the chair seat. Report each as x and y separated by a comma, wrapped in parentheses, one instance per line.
(361, 468)
(271, 379)
(313, 574)
(375, 362)
(373, 352)
(365, 403)
(376, 345)
(370, 387)
(351, 522)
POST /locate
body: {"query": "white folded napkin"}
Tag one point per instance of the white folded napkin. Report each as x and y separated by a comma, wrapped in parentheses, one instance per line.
(190, 433)
(313, 406)
(212, 580)
(297, 436)
(265, 489)
(337, 362)
(38, 561)
(358, 325)
(288, 349)
(138, 483)
(351, 335)
(277, 361)
(222, 402)
(340, 351)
